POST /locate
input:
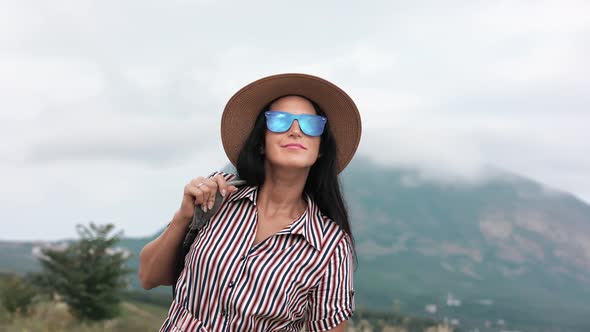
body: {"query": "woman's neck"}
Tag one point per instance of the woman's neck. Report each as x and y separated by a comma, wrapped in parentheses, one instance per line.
(282, 193)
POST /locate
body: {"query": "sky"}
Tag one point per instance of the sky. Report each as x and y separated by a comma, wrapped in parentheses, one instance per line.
(108, 108)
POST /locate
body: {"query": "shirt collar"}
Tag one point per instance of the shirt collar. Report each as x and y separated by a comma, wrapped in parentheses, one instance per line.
(249, 192)
(309, 225)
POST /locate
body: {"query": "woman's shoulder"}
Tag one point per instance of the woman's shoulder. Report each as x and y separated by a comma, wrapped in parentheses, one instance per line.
(227, 176)
(335, 239)
(330, 231)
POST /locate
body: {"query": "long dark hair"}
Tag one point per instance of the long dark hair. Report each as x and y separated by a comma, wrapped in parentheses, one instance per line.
(322, 184)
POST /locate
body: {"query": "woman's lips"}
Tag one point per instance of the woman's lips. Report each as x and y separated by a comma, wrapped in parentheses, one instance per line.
(294, 146)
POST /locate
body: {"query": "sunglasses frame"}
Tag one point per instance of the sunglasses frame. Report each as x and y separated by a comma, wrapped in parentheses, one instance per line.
(291, 117)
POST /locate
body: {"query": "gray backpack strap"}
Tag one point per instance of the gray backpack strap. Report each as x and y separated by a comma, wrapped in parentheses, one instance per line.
(200, 219)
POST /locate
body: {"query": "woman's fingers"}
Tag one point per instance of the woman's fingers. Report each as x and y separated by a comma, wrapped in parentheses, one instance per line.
(201, 188)
(194, 188)
(211, 191)
(222, 184)
(194, 191)
(224, 188)
(202, 191)
(231, 189)
(213, 187)
(205, 190)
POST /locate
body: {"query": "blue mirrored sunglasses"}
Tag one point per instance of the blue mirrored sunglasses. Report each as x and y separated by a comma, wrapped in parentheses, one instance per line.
(280, 122)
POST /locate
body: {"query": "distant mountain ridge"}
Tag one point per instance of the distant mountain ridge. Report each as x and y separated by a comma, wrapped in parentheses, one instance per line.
(498, 254)
(505, 242)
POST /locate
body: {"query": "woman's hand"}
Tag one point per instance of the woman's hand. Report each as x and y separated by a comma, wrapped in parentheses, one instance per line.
(201, 191)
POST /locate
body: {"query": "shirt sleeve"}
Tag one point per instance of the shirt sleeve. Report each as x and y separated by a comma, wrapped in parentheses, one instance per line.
(332, 301)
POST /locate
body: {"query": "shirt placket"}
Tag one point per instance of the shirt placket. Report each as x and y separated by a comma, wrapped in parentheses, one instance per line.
(232, 284)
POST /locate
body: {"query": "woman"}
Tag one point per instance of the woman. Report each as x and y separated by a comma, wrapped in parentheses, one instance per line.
(278, 255)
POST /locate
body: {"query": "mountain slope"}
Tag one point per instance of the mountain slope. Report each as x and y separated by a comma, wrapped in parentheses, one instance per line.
(506, 243)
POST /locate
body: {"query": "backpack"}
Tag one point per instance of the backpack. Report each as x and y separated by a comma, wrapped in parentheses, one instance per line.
(200, 219)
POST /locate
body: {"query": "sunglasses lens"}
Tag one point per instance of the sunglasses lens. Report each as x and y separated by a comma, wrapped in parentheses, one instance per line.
(278, 122)
(312, 125)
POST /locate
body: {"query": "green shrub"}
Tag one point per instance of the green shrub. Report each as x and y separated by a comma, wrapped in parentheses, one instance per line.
(17, 294)
(89, 274)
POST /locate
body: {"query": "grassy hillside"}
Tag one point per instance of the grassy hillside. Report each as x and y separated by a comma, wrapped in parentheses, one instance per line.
(49, 317)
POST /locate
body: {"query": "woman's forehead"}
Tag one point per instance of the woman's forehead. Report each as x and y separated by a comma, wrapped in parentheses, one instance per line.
(293, 104)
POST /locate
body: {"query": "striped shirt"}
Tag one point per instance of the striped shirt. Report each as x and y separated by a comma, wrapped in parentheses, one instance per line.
(300, 277)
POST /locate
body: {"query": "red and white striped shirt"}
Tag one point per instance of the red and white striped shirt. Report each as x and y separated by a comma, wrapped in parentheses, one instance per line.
(301, 276)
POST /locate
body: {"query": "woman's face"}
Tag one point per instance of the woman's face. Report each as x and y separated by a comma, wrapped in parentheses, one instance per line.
(292, 148)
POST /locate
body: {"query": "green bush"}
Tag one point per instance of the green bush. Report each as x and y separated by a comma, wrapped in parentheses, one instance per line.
(89, 274)
(17, 294)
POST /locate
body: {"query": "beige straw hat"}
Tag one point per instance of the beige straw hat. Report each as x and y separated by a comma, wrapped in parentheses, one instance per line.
(243, 107)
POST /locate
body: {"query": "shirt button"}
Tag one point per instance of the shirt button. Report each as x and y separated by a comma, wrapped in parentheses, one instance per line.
(243, 257)
(223, 312)
(231, 284)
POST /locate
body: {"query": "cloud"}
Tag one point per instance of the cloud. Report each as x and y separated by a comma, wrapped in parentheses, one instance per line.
(125, 98)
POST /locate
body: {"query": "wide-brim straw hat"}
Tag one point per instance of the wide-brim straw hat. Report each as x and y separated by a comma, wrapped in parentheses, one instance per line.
(244, 106)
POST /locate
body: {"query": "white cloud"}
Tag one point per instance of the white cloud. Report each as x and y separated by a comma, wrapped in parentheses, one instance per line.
(31, 85)
(109, 107)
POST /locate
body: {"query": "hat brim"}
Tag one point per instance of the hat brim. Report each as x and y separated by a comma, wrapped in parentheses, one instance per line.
(243, 107)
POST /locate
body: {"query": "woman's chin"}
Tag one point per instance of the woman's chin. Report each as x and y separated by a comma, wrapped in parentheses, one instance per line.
(297, 164)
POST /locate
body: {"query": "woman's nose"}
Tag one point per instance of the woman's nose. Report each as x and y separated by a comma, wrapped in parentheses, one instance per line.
(295, 129)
